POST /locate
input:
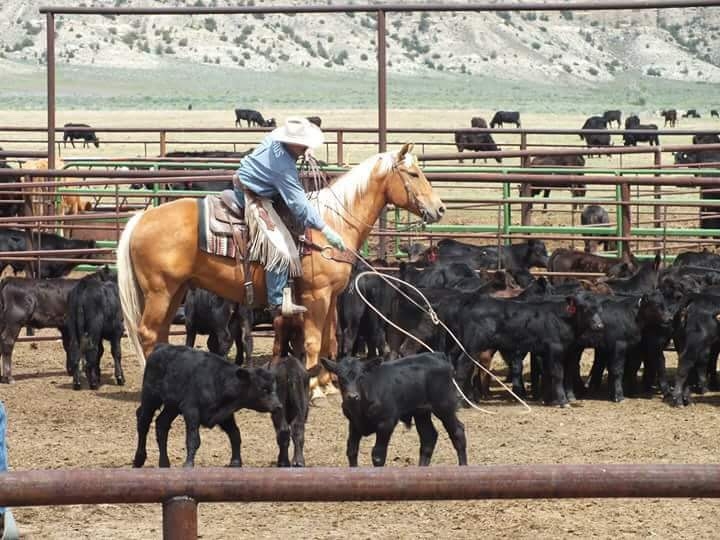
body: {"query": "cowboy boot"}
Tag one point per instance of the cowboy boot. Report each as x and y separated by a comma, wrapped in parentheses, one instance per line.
(289, 308)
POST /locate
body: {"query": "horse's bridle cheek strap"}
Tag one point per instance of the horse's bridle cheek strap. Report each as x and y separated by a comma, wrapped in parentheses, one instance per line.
(412, 197)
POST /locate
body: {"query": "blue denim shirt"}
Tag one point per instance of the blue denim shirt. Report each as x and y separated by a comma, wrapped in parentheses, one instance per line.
(270, 170)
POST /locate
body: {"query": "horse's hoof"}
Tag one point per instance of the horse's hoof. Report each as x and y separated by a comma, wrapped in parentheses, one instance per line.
(77, 386)
(120, 381)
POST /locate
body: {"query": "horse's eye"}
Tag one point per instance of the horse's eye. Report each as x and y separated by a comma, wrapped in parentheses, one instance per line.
(414, 174)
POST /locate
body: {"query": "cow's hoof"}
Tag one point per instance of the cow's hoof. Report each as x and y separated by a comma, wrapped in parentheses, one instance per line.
(571, 397)
(139, 460)
(7, 380)
(235, 463)
(283, 464)
(298, 463)
(677, 402)
(77, 386)
(120, 381)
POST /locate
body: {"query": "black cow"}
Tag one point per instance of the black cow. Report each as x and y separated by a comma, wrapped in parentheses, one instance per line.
(595, 139)
(478, 122)
(691, 113)
(13, 240)
(613, 116)
(315, 120)
(37, 303)
(625, 321)
(8, 205)
(631, 139)
(547, 327)
(571, 160)
(292, 385)
(206, 390)
(50, 241)
(223, 321)
(594, 215)
(358, 324)
(505, 117)
(71, 132)
(523, 255)
(703, 258)
(249, 115)
(377, 395)
(699, 340)
(94, 314)
(643, 281)
(714, 113)
(670, 117)
(476, 142)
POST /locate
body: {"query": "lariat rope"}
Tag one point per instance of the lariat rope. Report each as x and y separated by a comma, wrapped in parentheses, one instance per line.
(318, 180)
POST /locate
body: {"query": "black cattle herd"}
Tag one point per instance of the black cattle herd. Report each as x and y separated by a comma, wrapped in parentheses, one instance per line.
(486, 295)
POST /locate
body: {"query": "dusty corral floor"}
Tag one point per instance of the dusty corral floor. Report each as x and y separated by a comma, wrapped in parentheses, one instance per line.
(51, 426)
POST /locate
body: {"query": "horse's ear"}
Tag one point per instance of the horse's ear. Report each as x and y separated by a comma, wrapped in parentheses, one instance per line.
(406, 149)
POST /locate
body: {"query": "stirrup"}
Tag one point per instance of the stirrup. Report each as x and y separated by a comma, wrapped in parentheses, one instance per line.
(290, 309)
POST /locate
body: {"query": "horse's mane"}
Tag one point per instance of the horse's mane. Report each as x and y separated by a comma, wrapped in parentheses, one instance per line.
(335, 200)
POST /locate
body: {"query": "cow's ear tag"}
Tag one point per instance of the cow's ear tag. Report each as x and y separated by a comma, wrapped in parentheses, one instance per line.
(571, 308)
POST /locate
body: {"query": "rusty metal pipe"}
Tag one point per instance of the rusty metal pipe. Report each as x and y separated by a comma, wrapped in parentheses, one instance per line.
(180, 519)
(324, 484)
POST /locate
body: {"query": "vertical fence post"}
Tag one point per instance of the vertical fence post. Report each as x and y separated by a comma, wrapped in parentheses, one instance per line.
(626, 220)
(382, 113)
(163, 143)
(339, 148)
(525, 191)
(180, 519)
(658, 195)
(50, 61)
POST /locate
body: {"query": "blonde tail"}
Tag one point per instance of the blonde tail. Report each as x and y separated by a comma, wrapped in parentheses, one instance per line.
(131, 297)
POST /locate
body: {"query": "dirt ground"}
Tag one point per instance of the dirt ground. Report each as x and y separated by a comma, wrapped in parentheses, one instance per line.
(51, 426)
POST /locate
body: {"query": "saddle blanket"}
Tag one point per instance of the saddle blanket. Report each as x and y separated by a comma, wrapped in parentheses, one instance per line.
(209, 241)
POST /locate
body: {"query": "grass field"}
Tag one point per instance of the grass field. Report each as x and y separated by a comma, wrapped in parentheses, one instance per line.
(208, 87)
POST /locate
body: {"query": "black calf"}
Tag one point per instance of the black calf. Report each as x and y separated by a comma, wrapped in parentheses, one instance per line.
(376, 396)
(206, 390)
(94, 314)
(223, 321)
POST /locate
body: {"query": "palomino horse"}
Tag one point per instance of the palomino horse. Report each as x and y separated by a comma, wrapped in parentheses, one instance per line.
(158, 256)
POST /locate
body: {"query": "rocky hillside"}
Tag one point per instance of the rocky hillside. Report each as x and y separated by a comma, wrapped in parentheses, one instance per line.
(574, 46)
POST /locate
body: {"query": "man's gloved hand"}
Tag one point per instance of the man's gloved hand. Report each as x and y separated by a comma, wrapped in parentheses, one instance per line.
(333, 238)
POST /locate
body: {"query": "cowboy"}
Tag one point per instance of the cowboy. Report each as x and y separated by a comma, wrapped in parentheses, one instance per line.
(270, 170)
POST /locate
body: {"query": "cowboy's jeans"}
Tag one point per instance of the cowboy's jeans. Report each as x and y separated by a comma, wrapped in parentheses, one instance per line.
(276, 281)
(3, 448)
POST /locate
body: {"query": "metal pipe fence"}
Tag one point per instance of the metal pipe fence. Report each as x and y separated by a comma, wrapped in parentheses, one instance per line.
(180, 490)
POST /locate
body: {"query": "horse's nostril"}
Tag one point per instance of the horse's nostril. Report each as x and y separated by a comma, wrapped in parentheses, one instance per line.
(441, 211)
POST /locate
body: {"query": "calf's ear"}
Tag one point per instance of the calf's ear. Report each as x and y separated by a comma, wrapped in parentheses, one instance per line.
(328, 364)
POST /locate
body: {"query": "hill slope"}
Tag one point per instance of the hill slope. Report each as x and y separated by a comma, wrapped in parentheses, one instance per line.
(570, 46)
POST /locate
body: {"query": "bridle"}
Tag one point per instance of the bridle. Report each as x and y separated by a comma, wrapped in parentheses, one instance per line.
(413, 199)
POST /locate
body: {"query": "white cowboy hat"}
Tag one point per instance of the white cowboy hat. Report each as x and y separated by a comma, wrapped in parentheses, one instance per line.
(298, 130)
